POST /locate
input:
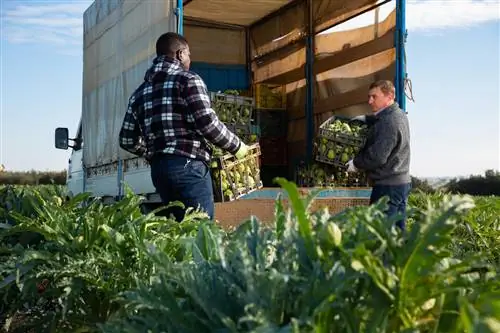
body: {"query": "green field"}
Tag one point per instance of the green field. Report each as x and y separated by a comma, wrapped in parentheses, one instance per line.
(79, 266)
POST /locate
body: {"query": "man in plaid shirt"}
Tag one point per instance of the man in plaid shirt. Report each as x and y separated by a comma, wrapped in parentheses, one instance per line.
(169, 121)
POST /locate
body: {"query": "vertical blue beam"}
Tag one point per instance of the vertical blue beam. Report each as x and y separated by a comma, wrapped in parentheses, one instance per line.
(120, 179)
(400, 53)
(180, 17)
(309, 97)
(310, 83)
(84, 176)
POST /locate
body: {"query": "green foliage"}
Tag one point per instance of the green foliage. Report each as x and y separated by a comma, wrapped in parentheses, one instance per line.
(33, 178)
(89, 253)
(421, 185)
(483, 185)
(112, 269)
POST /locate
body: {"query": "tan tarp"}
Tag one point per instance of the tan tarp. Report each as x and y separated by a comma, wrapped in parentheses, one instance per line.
(346, 95)
(119, 44)
(289, 28)
(357, 58)
(215, 45)
(281, 71)
(345, 84)
(329, 12)
(286, 69)
(283, 29)
(241, 12)
(341, 40)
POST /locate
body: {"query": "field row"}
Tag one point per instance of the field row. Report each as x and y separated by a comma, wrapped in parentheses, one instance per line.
(79, 266)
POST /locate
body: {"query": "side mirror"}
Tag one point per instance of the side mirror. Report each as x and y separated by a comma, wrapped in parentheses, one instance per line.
(61, 138)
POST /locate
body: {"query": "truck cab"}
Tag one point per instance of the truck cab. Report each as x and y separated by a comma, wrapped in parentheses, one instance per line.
(75, 180)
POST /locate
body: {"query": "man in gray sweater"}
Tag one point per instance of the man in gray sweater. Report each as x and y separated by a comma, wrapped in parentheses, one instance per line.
(386, 154)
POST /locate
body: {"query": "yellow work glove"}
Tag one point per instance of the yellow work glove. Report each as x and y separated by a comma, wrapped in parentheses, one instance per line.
(242, 151)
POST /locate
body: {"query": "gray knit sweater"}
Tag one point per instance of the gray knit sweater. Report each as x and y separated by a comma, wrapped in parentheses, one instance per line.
(386, 154)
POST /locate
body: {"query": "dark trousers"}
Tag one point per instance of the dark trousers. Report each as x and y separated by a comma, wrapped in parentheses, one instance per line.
(189, 181)
(398, 199)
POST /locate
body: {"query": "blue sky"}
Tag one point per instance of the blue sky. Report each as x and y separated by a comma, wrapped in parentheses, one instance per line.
(453, 62)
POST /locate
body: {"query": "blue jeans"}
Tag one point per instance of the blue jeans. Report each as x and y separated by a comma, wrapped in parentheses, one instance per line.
(189, 181)
(398, 199)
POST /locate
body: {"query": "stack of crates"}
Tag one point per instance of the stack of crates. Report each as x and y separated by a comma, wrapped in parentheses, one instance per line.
(237, 113)
(271, 118)
(268, 96)
(234, 178)
(318, 174)
(338, 141)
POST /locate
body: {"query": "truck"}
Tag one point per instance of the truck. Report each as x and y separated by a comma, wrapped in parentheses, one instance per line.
(293, 48)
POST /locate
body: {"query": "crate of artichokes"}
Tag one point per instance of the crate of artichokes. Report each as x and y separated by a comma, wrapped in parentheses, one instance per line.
(248, 133)
(233, 109)
(342, 130)
(325, 175)
(233, 178)
(339, 140)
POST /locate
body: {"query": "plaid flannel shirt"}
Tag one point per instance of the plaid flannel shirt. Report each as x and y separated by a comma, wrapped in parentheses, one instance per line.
(170, 113)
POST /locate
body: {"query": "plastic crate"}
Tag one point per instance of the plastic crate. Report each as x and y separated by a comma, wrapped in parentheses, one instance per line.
(269, 96)
(250, 134)
(344, 138)
(233, 109)
(231, 177)
(324, 175)
(272, 122)
(334, 153)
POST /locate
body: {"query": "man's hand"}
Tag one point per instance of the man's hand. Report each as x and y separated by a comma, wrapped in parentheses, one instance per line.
(242, 151)
(350, 166)
(360, 118)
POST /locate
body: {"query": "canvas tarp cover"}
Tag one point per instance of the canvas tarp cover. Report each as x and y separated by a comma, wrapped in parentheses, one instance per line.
(346, 63)
(286, 65)
(215, 45)
(119, 44)
(240, 12)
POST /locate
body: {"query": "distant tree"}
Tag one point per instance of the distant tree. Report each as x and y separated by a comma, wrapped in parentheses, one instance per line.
(492, 173)
(489, 184)
(422, 185)
(32, 177)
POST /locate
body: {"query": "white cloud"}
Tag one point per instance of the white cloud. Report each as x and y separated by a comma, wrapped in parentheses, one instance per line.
(76, 8)
(439, 14)
(58, 24)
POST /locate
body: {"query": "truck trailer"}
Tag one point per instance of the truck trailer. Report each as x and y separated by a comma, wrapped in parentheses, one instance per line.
(296, 48)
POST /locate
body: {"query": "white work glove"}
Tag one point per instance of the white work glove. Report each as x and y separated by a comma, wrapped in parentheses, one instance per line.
(359, 118)
(242, 151)
(350, 166)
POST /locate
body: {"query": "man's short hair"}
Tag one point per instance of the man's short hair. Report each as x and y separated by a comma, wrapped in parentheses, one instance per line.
(385, 86)
(169, 43)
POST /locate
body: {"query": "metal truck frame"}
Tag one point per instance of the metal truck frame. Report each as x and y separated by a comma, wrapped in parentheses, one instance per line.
(107, 181)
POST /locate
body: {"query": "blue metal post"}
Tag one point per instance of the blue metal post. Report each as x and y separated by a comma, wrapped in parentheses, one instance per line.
(180, 17)
(84, 177)
(400, 53)
(309, 112)
(309, 97)
(120, 179)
